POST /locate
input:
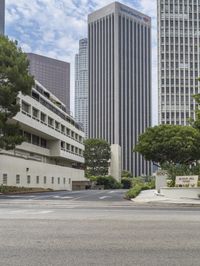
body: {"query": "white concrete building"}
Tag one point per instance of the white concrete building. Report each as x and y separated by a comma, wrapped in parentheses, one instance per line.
(178, 60)
(52, 155)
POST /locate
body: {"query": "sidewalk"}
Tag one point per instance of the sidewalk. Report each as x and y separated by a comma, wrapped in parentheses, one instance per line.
(151, 196)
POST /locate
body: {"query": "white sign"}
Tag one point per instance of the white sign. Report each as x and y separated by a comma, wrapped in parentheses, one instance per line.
(187, 181)
(161, 173)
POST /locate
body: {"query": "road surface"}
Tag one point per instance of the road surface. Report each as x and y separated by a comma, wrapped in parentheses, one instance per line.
(96, 228)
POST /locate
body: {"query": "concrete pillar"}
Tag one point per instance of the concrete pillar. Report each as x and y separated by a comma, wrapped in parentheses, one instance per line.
(116, 162)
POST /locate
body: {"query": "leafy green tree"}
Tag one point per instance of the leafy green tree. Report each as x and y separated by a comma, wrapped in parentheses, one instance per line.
(170, 144)
(97, 155)
(108, 182)
(14, 77)
(196, 123)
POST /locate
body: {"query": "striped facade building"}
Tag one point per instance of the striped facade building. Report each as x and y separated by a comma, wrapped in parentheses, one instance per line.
(178, 59)
(119, 51)
(81, 85)
(53, 74)
(2, 17)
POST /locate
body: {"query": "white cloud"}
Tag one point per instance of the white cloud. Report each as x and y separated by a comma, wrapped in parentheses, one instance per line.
(54, 27)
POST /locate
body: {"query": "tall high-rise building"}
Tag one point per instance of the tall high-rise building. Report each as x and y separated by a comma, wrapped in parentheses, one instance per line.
(119, 43)
(53, 74)
(178, 59)
(81, 85)
(2, 17)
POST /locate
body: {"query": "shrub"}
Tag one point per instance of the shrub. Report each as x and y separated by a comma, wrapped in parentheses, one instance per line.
(133, 192)
(138, 187)
(126, 182)
(126, 174)
(13, 189)
(108, 182)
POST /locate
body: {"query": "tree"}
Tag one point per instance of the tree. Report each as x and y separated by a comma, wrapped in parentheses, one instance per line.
(170, 144)
(196, 123)
(97, 155)
(14, 78)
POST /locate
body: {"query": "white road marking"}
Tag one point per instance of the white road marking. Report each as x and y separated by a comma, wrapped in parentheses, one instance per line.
(17, 196)
(29, 212)
(104, 197)
(39, 212)
(62, 197)
(18, 211)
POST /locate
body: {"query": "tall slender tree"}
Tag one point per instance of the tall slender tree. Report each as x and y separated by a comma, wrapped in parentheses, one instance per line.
(97, 155)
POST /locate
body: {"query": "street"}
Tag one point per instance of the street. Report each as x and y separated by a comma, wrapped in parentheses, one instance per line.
(96, 228)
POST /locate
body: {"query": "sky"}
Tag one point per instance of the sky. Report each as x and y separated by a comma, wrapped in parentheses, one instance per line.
(54, 27)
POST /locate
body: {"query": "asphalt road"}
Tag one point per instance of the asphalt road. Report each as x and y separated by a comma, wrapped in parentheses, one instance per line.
(85, 195)
(96, 228)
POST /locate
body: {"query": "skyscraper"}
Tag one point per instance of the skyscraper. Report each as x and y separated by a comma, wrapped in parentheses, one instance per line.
(120, 80)
(52, 74)
(81, 85)
(178, 59)
(2, 17)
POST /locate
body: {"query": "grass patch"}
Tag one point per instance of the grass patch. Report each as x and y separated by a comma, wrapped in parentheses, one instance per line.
(13, 189)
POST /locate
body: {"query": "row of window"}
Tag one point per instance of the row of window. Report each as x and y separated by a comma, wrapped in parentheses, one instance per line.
(34, 139)
(179, 32)
(175, 65)
(186, 40)
(47, 120)
(173, 122)
(70, 148)
(168, 33)
(176, 2)
(175, 101)
(180, 49)
(38, 98)
(178, 90)
(173, 106)
(38, 141)
(180, 56)
(178, 81)
(179, 23)
(176, 114)
(175, 10)
(182, 73)
(38, 180)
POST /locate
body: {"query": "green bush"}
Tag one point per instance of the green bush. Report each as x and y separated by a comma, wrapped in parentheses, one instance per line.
(108, 182)
(133, 192)
(126, 182)
(13, 189)
(138, 187)
(126, 174)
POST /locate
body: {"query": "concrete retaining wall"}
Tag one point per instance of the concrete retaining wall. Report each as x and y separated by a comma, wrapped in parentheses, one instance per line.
(178, 193)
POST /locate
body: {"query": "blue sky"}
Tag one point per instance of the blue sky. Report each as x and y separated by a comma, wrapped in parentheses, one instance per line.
(54, 27)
